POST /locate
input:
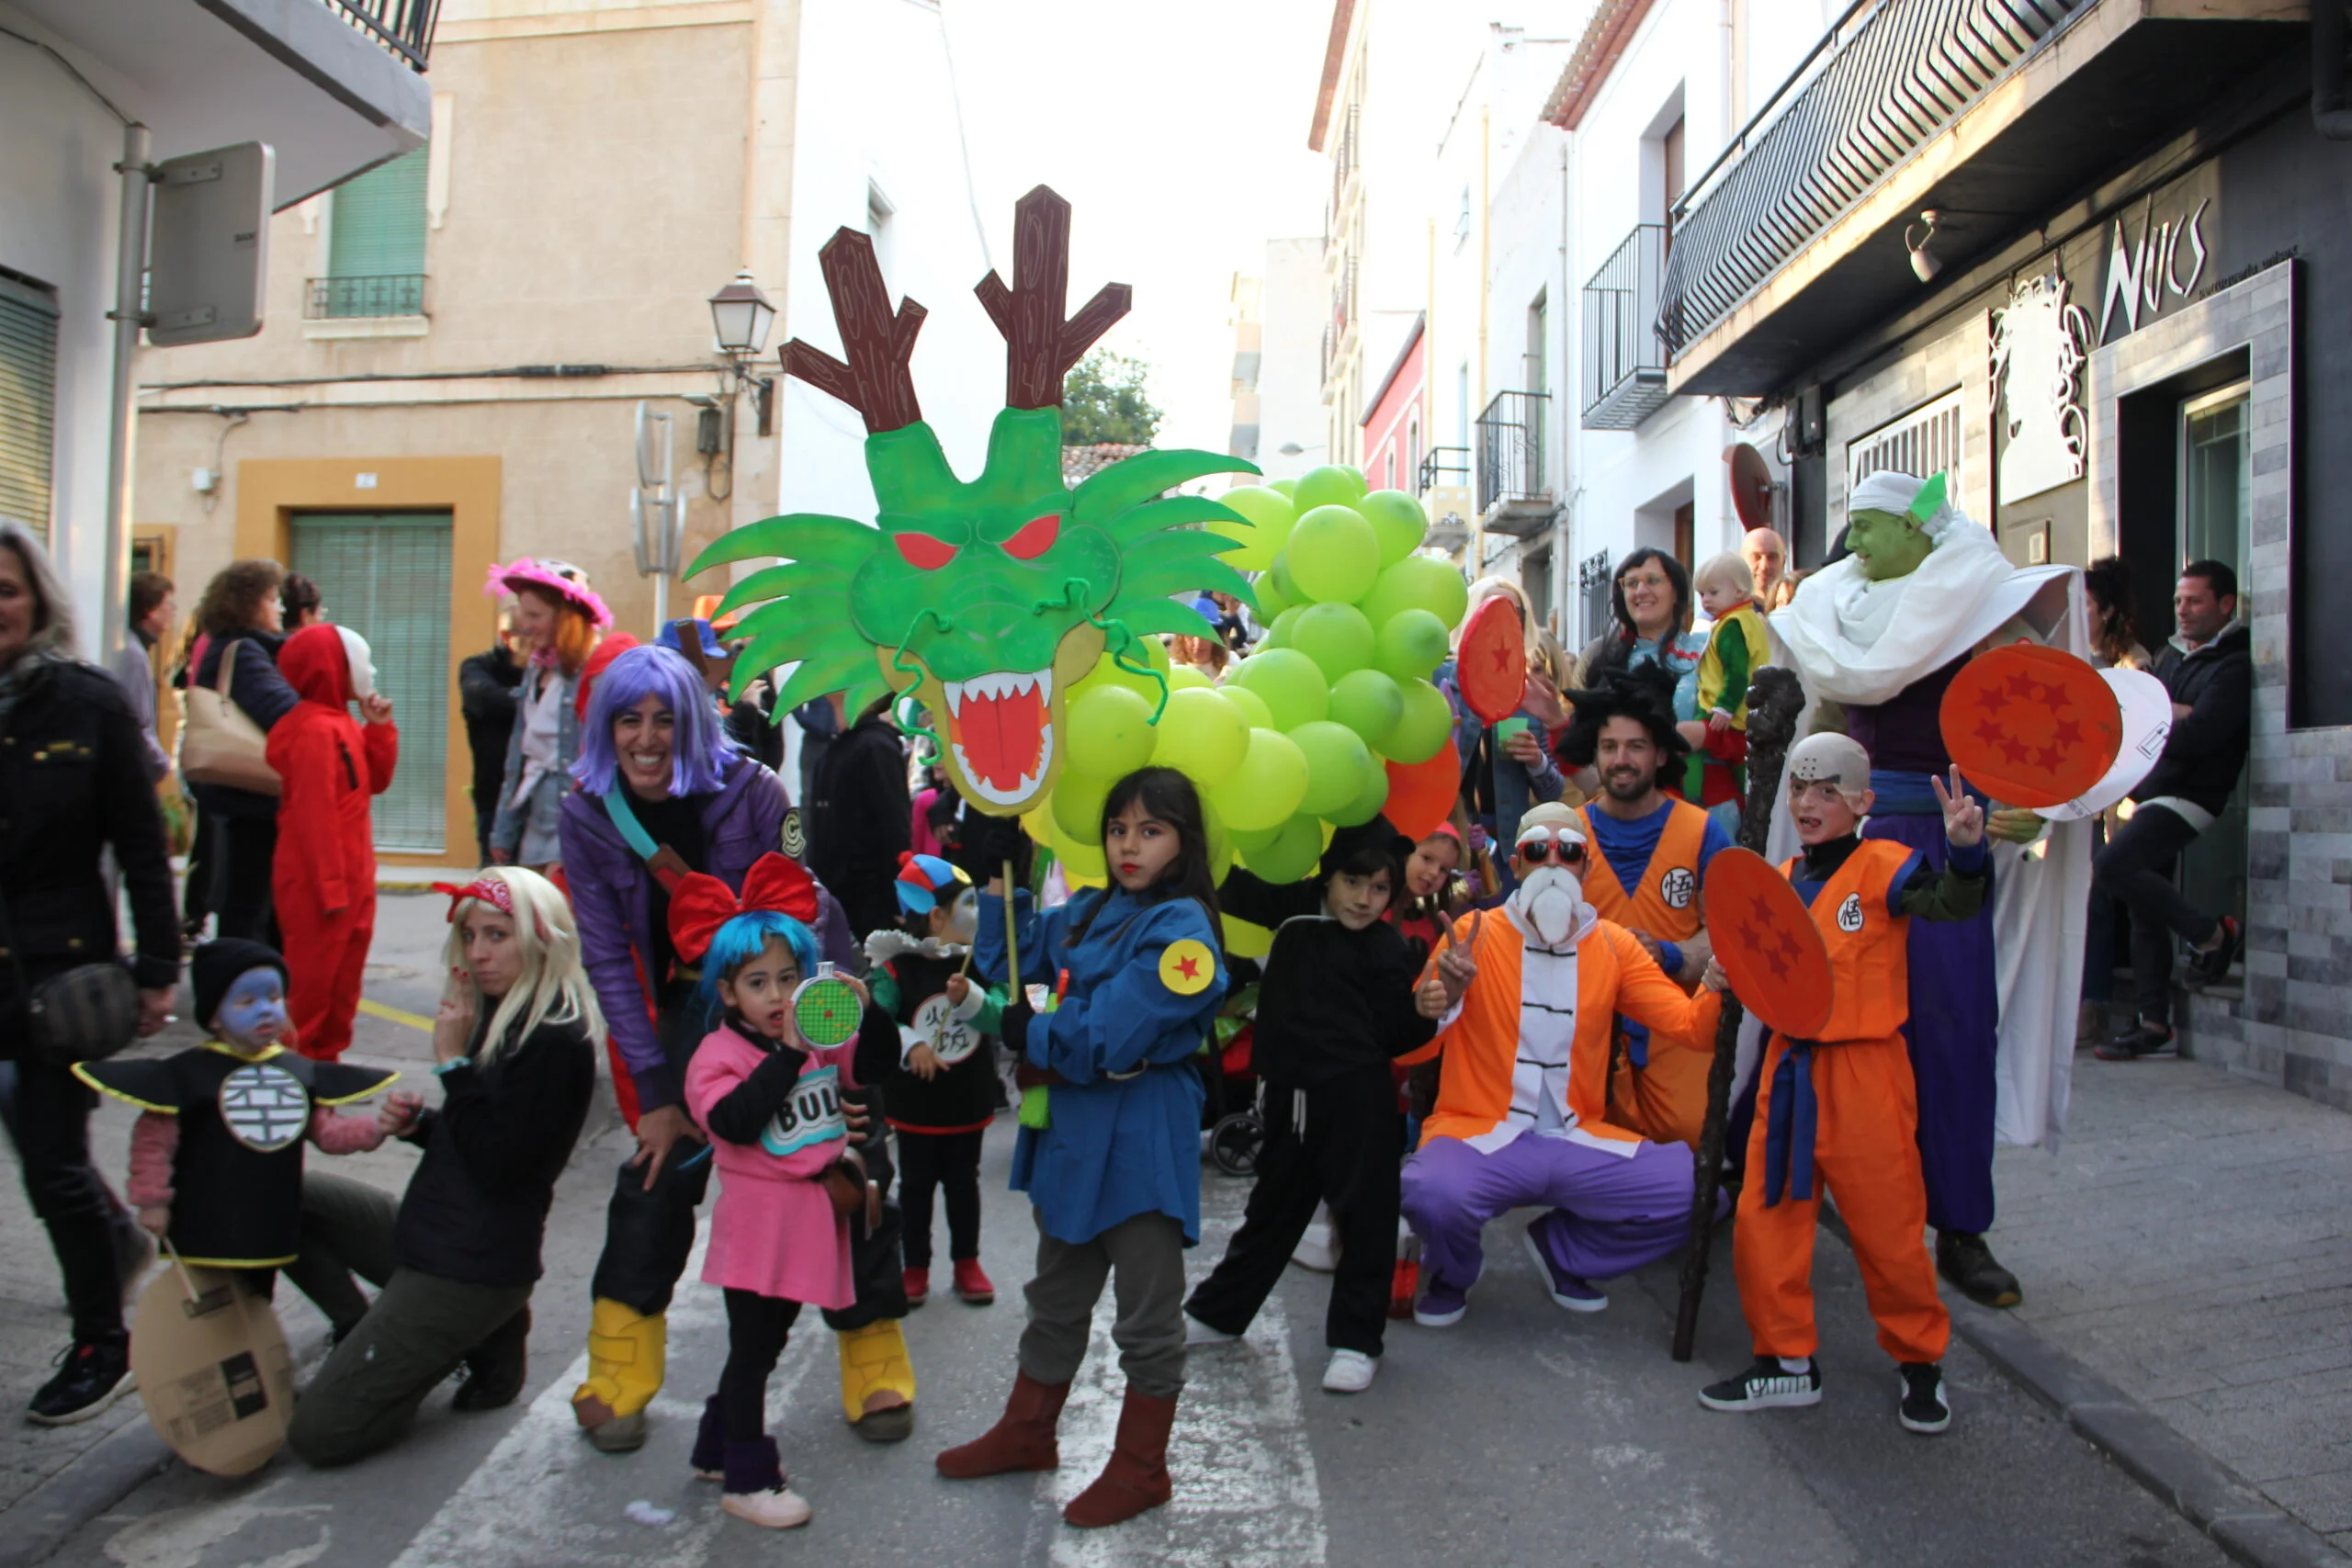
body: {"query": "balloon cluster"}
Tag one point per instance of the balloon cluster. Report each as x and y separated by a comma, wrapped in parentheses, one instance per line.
(1330, 721)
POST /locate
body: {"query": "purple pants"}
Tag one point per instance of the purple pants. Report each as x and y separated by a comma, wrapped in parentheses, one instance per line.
(1610, 1213)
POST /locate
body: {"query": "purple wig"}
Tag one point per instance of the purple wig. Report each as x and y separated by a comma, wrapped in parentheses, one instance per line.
(698, 759)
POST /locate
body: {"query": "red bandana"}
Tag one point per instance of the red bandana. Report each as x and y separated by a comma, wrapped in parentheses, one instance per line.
(701, 903)
(490, 890)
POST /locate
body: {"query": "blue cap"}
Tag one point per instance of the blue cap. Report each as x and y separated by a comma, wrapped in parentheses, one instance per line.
(711, 646)
(921, 881)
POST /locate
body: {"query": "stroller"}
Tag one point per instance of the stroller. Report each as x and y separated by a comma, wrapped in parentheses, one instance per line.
(1234, 1131)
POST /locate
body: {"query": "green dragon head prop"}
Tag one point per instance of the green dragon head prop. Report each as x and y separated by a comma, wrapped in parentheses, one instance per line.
(985, 599)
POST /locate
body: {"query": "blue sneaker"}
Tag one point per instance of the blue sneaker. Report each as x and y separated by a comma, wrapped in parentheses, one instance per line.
(1440, 1306)
(1570, 1291)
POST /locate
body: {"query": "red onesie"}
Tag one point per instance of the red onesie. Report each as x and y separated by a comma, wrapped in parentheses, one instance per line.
(324, 876)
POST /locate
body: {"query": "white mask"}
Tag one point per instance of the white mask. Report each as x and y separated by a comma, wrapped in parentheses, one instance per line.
(362, 660)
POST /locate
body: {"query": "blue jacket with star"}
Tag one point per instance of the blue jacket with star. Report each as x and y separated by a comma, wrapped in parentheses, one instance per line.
(1117, 1147)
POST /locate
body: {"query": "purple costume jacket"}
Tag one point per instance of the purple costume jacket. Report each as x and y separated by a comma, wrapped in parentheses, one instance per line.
(612, 901)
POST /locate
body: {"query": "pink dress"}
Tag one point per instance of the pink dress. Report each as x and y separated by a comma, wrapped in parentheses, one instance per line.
(774, 1230)
(926, 842)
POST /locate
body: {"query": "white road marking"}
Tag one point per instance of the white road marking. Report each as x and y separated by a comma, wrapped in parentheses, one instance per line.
(181, 1538)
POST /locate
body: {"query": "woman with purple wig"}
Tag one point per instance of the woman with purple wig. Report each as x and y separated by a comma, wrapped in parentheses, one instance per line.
(662, 791)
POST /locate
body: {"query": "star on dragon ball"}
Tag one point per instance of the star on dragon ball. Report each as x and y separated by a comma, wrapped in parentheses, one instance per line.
(985, 599)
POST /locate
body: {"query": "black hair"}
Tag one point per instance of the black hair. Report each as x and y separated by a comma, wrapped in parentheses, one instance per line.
(2218, 576)
(148, 589)
(1366, 850)
(1619, 648)
(1645, 695)
(1168, 796)
(2115, 620)
(296, 593)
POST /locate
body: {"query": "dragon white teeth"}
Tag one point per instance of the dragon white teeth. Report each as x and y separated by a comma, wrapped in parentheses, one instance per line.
(955, 690)
(997, 685)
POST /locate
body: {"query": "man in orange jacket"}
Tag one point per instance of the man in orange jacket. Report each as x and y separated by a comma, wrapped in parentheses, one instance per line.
(1526, 1000)
(324, 875)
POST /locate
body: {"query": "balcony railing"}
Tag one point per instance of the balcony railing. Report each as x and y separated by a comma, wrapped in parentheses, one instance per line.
(1882, 84)
(1444, 465)
(1345, 157)
(340, 298)
(1625, 362)
(1343, 297)
(404, 27)
(1513, 490)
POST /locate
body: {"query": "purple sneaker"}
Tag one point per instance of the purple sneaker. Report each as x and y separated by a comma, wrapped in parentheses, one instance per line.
(1440, 1306)
(1570, 1291)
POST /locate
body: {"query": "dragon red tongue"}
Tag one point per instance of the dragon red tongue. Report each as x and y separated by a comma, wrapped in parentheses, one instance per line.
(1003, 737)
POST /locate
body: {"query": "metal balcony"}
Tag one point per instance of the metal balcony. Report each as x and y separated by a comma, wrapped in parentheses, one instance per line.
(1445, 491)
(403, 27)
(1514, 492)
(347, 298)
(1441, 461)
(1625, 362)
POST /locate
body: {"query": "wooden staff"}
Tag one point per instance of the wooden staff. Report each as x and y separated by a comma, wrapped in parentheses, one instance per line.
(1774, 701)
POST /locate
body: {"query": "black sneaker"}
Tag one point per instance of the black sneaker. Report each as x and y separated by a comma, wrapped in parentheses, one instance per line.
(2212, 968)
(1765, 1386)
(2141, 1043)
(496, 1369)
(1924, 1408)
(94, 1374)
(1967, 1262)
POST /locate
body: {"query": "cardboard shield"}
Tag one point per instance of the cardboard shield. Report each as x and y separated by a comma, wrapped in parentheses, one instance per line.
(1767, 943)
(1492, 661)
(2032, 726)
(213, 1368)
(2147, 724)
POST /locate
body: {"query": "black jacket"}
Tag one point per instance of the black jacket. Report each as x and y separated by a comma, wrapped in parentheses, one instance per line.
(264, 695)
(72, 780)
(2202, 759)
(1333, 1000)
(961, 1095)
(486, 684)
(476, 1208)
(860, 822)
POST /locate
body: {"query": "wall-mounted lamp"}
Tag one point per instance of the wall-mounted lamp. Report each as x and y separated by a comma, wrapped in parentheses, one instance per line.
(740, 319)
(1924, 266)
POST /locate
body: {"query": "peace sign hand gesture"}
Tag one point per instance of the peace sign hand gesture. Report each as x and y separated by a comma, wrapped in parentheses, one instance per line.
(1963, 819)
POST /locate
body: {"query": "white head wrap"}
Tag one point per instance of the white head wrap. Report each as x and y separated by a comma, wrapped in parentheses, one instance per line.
(1888, 491)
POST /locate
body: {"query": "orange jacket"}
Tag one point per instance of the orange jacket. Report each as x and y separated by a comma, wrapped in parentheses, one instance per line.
(1613, 976)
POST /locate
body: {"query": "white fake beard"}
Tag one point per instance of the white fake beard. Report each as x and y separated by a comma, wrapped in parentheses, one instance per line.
(1550, 901)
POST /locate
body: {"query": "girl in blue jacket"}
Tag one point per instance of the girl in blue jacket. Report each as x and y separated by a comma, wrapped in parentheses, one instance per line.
(1113, 1164)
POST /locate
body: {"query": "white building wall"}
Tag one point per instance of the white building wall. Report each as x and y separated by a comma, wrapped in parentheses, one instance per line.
(1292, 305)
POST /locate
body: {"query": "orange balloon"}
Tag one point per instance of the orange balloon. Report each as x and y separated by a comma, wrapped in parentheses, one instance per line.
(1421, 794)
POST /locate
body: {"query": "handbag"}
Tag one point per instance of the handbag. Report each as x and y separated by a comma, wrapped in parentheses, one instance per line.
(221, 744)
(85, 1014)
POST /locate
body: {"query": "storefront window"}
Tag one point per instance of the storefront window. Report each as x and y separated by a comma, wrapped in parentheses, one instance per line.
(2216, 487)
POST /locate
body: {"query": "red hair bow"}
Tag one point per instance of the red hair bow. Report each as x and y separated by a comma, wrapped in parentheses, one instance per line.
(701, 903)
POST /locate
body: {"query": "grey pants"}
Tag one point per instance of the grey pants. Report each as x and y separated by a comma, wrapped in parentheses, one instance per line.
(410, 1340)
(1143, 1257)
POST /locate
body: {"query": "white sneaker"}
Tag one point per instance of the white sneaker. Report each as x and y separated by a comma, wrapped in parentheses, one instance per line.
(1349, 1372)
(1320, 1248)
(777, 1509)
(1197, 1334)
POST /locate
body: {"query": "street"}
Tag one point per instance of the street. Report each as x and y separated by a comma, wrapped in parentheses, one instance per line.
(1523, 1435)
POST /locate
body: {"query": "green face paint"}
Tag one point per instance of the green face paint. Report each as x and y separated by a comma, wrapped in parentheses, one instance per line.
(1886, 545)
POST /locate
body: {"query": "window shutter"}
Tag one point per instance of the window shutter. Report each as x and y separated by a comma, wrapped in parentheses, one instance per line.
(377, 229)
(387, 578)
(27, 403)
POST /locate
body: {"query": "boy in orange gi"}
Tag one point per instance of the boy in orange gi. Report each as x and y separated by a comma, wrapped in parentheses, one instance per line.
(1845, 1103)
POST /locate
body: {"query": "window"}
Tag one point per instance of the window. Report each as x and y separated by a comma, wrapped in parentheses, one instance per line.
(1670, 168)
(375, 243)
(1539, 375)
(2216, 481)
(1413, 445)
(1925, 441)
(1462, 222)
(27, 401)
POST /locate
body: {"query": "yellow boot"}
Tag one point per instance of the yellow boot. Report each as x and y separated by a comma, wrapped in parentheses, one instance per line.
(878, 1381)
(625, 1355)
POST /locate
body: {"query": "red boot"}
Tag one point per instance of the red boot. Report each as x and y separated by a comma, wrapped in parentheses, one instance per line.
(1137, 1477)
(918, 1284)
(1022, 1438)
(972, 1282)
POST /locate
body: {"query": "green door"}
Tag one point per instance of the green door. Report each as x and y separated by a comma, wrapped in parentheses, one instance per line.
(386, 576)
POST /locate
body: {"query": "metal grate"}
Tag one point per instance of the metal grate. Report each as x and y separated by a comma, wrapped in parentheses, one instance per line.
(1922, 442)
(1511, 450)
(1624, 363)
(403, 27)
(387, 578)
(1593, 586)
(28, 403)
(1877, 87)
(335, 298)
(1441, 461)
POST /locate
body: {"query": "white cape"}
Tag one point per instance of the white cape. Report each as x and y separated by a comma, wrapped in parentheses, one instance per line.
(1895, 633)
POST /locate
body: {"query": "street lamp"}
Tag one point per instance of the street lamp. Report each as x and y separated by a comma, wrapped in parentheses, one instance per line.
(741, 317)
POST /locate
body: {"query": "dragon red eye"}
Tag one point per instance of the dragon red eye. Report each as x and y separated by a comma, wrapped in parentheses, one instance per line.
(924, 552)
(1034, 537)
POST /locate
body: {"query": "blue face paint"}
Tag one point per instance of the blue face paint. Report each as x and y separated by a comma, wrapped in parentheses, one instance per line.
(253, 1014)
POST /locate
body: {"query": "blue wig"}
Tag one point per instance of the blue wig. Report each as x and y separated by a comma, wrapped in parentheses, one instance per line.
(744, 939)
(698, 759)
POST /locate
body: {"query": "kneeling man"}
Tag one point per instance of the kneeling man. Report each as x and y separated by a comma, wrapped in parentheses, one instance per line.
(1525, 1002)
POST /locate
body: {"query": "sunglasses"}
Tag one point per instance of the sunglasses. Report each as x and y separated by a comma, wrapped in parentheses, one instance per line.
(1538, 852)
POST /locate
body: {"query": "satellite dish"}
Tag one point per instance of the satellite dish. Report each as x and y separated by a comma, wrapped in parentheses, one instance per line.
(1751, 485)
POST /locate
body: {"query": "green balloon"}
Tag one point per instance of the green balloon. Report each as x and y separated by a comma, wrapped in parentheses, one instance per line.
(1286, 489)
(1426, 728)
(1336, 759)
(1336, 637)
(1287, 586)
(1184, 677)
(1409, 645)
(1329, 485)
(1290, 855)
(1397, 520)
(1254, 840)
(1109, 734)
(1269, 518)
(1270, 601)
(1254, 707)
(1266, 788)
(1334, 555)
(1278, 630)
(1202, 736)
(1368, 702)
(1291, 685)
(1372, 793)
(1418, 583)
(1078, 807)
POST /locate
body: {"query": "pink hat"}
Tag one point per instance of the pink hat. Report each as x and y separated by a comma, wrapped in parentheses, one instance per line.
(563, 579)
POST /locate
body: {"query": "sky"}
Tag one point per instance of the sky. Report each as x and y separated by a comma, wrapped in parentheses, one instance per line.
(1178, 133)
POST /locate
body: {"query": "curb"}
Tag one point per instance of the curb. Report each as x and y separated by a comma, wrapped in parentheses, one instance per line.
(2208, 1493)
(117, 1465)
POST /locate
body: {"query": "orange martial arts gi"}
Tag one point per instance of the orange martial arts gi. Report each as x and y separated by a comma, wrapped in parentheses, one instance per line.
(1841, 1113)
(1660, 1092)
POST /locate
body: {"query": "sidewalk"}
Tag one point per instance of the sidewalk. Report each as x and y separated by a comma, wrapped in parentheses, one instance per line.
(2190, 1245)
